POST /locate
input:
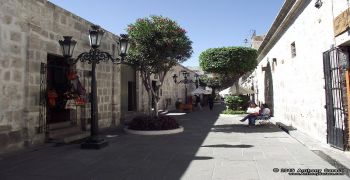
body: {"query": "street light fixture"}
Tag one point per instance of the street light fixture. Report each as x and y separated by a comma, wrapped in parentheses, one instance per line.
(93, 57)
(185, 81)
(67, 46)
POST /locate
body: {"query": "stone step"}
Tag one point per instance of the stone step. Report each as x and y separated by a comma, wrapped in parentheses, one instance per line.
(60, 125)
(67, 138)
(67, 134)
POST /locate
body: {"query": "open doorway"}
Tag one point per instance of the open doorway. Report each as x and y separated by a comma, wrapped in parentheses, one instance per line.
(57, 85)
(268, 91)
(335, 64)
(131, 96)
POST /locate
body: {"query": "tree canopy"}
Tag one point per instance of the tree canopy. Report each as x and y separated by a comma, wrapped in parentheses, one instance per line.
(228, 63)
(157, 44)
(212, 82)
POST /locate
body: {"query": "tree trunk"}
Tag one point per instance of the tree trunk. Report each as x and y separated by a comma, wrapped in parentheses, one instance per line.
(156, 107)
(237, 87)
(149, 103)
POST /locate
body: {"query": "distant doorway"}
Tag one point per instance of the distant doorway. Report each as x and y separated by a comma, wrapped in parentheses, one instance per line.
(131, 96)
(57, 83)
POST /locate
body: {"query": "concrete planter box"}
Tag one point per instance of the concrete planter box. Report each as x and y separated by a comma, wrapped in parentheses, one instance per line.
(160, 132)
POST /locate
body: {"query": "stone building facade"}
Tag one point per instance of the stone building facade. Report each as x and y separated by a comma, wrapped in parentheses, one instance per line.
(30, 31)
(31, 65)
(170, 92)
(293, 76)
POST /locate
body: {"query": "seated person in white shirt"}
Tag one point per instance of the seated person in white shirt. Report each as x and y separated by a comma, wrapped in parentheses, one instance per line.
(253, 112)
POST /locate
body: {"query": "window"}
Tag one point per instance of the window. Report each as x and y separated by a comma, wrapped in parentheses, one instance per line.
(293, 49)
(274, 63)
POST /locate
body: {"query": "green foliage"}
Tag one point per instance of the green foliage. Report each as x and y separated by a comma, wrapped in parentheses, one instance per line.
(230, 111)
(245, 101)
(233, 102)
(210, 81)
(229, 63)
(236, 102)
(157, 44)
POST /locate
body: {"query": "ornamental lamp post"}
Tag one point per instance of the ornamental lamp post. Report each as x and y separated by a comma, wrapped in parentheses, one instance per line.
(184, 81)
(196, 76)
(93, 57)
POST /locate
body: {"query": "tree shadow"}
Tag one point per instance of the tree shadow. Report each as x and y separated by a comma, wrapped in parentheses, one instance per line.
(202, 158)
(229, 146)
(242, 128)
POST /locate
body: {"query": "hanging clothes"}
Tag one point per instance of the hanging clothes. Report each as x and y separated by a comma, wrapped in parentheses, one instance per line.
(77, 91)
(52, 96)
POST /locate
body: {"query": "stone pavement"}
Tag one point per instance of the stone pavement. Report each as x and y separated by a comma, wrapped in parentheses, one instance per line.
(211, 147)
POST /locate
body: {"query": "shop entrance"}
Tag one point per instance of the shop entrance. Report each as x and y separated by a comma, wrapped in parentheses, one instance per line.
(335, 63)
(57, 85)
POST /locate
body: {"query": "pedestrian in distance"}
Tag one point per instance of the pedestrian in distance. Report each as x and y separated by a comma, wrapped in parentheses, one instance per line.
(211, 102)
(198, 102)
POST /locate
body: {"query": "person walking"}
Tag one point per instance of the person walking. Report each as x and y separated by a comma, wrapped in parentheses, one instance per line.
(198, 102)
(210, 102)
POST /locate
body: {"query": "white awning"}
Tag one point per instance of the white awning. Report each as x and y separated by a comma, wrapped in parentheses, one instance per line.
(200, 91)
(232, 91)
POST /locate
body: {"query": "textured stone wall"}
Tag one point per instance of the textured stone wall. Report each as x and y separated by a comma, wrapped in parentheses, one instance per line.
(29, 31)
(298, 82)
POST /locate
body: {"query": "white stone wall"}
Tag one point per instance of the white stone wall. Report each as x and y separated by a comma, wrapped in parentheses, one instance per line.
(298, 82)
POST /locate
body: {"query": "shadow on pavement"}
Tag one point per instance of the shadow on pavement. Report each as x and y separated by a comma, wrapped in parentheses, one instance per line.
(242, 128)
(202, 158)
(127, 156)
(229, 146)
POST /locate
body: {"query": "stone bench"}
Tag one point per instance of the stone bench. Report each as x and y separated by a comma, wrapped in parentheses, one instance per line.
(263, 119)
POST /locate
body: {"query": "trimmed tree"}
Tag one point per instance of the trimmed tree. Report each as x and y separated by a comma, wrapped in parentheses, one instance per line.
(157, 44)
(229, 63)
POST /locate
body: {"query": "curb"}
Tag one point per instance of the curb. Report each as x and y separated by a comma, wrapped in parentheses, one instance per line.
(160, 132)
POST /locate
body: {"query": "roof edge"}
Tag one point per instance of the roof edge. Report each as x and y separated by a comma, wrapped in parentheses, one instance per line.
(286, 8)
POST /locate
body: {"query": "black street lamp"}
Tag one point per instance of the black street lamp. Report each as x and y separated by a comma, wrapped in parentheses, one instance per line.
(196, 76)
(93, 57)
(185, 81)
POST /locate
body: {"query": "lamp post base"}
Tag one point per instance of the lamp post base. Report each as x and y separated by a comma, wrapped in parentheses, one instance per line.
(94, 144)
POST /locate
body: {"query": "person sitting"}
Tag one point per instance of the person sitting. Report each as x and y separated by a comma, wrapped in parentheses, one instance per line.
(265, 112)
(253, 112)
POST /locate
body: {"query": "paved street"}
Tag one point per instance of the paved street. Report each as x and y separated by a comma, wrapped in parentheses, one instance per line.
(211, 147)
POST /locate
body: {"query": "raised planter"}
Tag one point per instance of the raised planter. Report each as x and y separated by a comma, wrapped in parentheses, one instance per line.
(158, 132)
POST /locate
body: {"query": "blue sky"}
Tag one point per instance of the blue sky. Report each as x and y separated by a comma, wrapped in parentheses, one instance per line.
(209, 23)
